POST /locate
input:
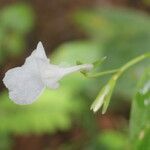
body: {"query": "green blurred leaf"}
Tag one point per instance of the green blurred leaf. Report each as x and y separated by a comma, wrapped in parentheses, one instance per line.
(6, 141)
(15, 44)
(93, 24)
(18, 17)
(52, 112)
(112, 140)
(140, 115)
(109, 22)
(15, 22)
(83, 51)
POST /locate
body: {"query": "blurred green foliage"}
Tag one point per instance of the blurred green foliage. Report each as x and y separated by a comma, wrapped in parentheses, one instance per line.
(123, 34)
(140, 116)
(108, 23)
(6, 141)
(112, 140)
(16, 21)
(50, 113)
(70, 52)
(118, 34)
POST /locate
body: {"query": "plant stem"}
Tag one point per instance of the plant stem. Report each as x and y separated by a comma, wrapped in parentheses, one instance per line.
(101, 73)
(121, 69)
(131, 63)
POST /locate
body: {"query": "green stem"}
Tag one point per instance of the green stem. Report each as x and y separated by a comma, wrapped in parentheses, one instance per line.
(120, 70)
(131, 63)
(101, 73)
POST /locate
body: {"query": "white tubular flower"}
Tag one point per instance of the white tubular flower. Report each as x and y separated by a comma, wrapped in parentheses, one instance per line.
(27, 82)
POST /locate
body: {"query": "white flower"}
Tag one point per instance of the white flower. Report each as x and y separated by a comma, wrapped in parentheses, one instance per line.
(27, 82)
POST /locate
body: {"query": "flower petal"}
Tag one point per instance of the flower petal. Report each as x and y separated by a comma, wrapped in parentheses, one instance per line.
(23, 84)
(38, 53)
(50, 74)
(84, 67)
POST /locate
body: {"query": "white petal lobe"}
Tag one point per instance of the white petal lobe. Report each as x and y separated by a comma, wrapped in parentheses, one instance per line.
(40, 52)
(24, 87)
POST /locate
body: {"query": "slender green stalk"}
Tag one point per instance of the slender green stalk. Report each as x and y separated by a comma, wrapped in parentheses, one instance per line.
(120, 70)
(101, 73)
(131, 63)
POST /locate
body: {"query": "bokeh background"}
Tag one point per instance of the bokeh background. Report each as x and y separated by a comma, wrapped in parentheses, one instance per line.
(72, 30)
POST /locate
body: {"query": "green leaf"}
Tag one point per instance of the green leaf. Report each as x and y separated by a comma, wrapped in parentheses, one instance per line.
(6, 141)
(18, 17)
(15, 22)
(107, 23)
(15, 44)
(112, 140)
(82, 51)
(140, 115)
(50, 113)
